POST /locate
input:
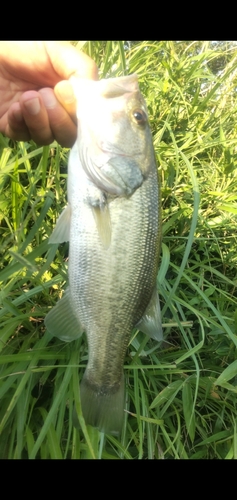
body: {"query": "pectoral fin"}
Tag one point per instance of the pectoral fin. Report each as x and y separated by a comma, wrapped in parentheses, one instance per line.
(61, 231)
(103, 224)
(62, 322)
(151, 323)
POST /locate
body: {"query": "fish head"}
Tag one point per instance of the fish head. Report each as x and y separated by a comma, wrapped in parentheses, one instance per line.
(114, 138)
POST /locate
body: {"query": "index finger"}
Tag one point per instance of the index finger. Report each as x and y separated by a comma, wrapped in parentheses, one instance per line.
(67, 60)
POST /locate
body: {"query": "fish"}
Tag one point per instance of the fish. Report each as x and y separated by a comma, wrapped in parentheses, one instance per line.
(113, 225)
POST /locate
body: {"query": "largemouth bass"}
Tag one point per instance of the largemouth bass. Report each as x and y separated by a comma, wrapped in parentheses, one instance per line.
(112, 222)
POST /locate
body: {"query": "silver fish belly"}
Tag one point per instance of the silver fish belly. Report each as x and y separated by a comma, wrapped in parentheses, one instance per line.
(113, 224)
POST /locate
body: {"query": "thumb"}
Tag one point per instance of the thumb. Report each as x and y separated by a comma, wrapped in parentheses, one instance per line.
(65, 95)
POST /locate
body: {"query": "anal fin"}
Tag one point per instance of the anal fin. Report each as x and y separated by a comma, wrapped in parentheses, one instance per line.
(151, 323)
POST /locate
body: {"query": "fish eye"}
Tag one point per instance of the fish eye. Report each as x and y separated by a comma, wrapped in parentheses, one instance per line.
(140, 116)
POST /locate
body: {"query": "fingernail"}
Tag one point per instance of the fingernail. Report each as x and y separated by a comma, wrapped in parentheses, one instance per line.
(32, 106)
(49, 98)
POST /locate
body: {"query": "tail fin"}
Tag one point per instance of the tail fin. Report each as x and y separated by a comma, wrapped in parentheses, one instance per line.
(103, 410)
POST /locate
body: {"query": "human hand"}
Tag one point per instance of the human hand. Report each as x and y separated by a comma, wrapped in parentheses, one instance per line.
(36, 100)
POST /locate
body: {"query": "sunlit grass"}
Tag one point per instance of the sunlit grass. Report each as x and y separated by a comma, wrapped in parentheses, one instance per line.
(180, 395)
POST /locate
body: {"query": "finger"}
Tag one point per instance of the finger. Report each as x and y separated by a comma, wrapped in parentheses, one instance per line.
(15, 127)
(36, 118)
(68, 60)
(62, 125)
(26, 121)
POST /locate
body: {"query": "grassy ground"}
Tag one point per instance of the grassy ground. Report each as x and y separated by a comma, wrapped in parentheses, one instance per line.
(181, 395)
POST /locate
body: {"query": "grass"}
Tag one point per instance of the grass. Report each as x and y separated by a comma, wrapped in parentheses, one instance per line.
(181, 395)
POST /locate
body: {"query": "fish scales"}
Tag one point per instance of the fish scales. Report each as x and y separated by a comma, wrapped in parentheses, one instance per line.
(112, 280)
